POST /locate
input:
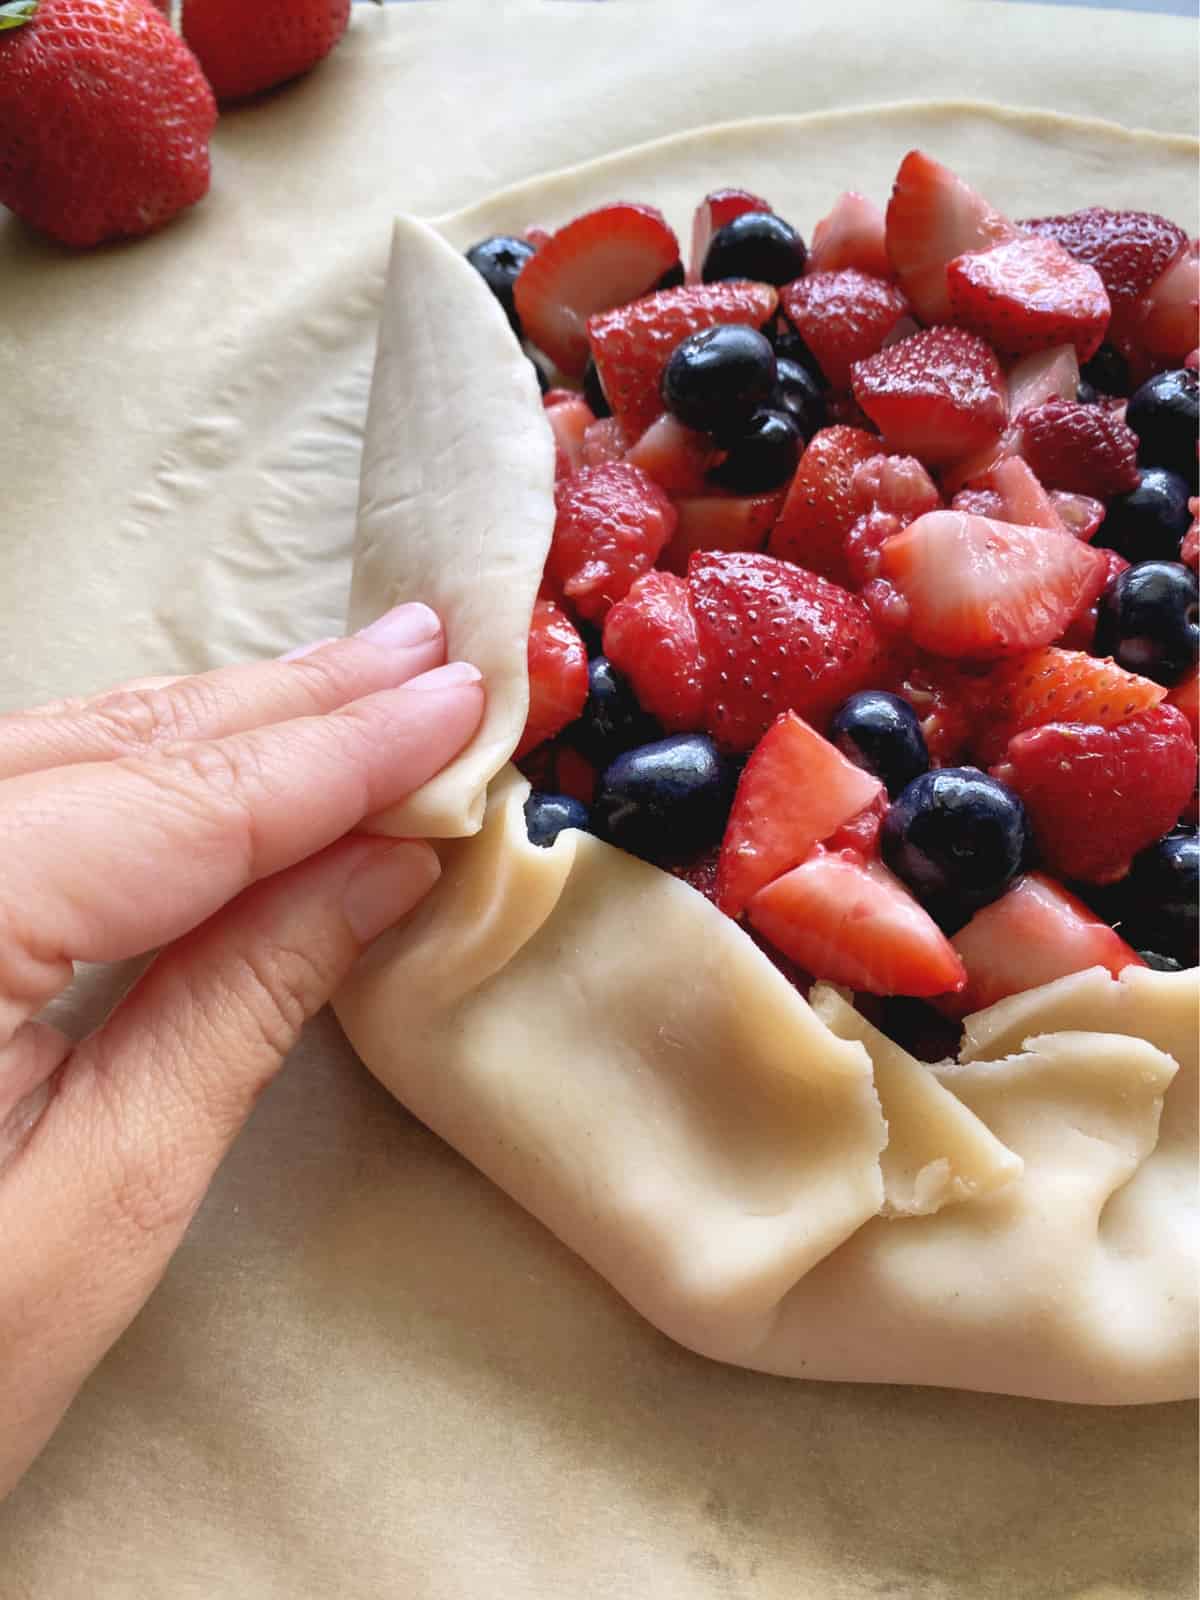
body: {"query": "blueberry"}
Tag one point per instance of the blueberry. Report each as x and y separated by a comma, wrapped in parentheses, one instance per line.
(1160, 897)
(798, 393)
(499, 261)
(714, 380)
(1149, 522)
(1148, 621)
(1107, 371)
(672, 278)
(1165, 415)
(668, 800)
(546, 815)
(762, 455)
(882, 734)
(757, 245)
(957, 838)
(1161, 963)
(593, 391)
(790, 346)
(611, 720)
(1085, 393)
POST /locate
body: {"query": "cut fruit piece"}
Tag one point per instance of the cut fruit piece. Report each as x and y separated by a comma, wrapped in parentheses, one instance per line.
(604, 441)
(717, 522)
(677, 458)
(1028, 295)
(569, 421)
(932, 217)
(713, 212)
(558, 675)
(796, 790)
(1034, 933)
(1082, 449)
(1055, 685)
(843, 317)
(1022, 498)
(1162, 327)
(938, 395)
(852, 235)
(1186, 696)
(1080, 514)
(604, 258)
(849, 920)
(1047, 375)
(651, 637)
(611, 523)
(893, 491)
(821, 505)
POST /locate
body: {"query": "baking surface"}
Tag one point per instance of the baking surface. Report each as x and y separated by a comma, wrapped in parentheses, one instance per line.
(368, 1373)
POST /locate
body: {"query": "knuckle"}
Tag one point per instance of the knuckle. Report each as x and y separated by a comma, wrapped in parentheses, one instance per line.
(135, 720)
(279, 987)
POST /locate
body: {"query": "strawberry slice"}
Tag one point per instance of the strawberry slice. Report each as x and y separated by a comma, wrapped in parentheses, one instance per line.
(860, 833)
(843, 317)
(932, 217)
(1036, 932)
(1096, 795)
(1029, 295)
(569, 419)
(713, 212)
(1046, 375)
(1080, 514)
(677, 458)
(1022, 498)
(1056, 685)
(611, 523)
(1082, 449)
(776, 638)
(1128, 249)
(632, 343)
(937, 395)
(1080, 632)
(796, 790)
(1186, 696)
(651, 636)
(852, 235)
(1162, 327)
(978, 588)
(718, 522)
(558, 675)
(821, 505)
(895, 490)
(604, 258)
(851, 921)
(604, 441)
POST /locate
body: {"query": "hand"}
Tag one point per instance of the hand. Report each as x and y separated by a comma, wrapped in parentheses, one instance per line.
(210, 818)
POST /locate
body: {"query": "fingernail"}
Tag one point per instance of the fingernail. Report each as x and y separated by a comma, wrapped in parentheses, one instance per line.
(383, 888)
(307, 649)
(403, 626)
(457, 674)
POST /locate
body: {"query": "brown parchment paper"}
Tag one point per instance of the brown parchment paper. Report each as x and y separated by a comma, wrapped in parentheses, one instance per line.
(367, 1373)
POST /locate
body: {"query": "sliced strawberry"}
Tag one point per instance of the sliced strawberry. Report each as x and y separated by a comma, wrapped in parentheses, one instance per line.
(1186, 696)
(558, 675)
(852, 235)
(796, 790)
(980, 501)
(611, 524)
(843, 317)
(1129, 249)
(1079, 514)
(851, 921)
(538, 236)
(1056, 685)
(574, 775)
(569, 421)
(1080, 632)
(932, 217)
(1046, 375)
(604, 258)
(1029, 295)
(1161, 329)
(1083, 449)
(632, 343)
(604, 441)
(651, 636)
(1022, 498)
(977, 588)
(713, 212)
(944, 698)
(1034, 933)
(720, 522)
(895, 490)
(1189, 550)
(860, 833)
(677, 458)
(937, 395)
(776, 638)
(821, 505)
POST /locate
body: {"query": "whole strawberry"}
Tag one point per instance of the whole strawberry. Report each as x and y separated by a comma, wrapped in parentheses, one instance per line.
(105, 119)
(245, 49)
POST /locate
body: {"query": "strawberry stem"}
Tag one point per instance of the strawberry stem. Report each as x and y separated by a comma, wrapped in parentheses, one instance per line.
(15, 13)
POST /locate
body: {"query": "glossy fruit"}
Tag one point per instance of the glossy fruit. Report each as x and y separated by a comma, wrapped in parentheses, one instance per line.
(957, 838)
(1029, 294)
(851, 921)
(890, 492)
(1161, 896)
(611, 721)
(667, 800)
(498, 261)
(795, 791)
(1149, 522)
(1186, 695)
(246, 49)
(1080, 514)
(602, 259)
(775, 638)
(546, 815)
(714, 380)
(822, 505)
(843, 317)
(851, 235)
(105, 118)
(720, 522)
(756, 245)
(652, 638)
(1148, 621)
(631, 344)
(604, 442)
(569, 417)
(611, 524)
(799, 394)
(558, 681)
(1033, 934)
(1097, 796)
(762, 454)
(881, 733)
(1162, 330)
(977, 588)
(713, 212)
(932, 217)
(1128, 249)
(1020, 496)
(1056, 685)
(677, 458)
(938, 395)
(1045, 375)
(1084, 449)
(1165, 414)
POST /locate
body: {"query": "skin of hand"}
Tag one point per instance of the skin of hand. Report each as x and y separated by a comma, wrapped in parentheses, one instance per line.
(211, 819)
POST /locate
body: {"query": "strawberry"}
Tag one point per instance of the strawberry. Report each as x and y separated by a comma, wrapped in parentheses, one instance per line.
(842, 317)
(1161, 329)
(604, 258)
(1022, 498)
(851, 921)
(713, 212)
(1186, 696)
(860, 832)
(651, 636)
(569, 421)
(558, 675)
(974, 587)
(775, 638)
(896, 490)
(105, 118)
(852, 235)
(796, 790)
(821, 505)
(604, 441)
(1097, 795)
(246, 49)
(1083, 449)
(611, 523)
(1034, 933)
(937, 395)
(721, 522)
(677, 458)
(1080, 632)
(932, 217)
(980, 502)
(1056, 685)
(1128, 249)
(1079, 514)
(631, 344)
(574, 775)
(1029, 295)
(944, 698)
(537, 235)
(1189, 550)
(1045, 375)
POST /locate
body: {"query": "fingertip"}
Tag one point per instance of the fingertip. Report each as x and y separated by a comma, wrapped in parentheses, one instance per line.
(387, 884)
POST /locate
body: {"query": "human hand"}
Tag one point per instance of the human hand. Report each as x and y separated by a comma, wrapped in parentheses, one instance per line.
(210, 818)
